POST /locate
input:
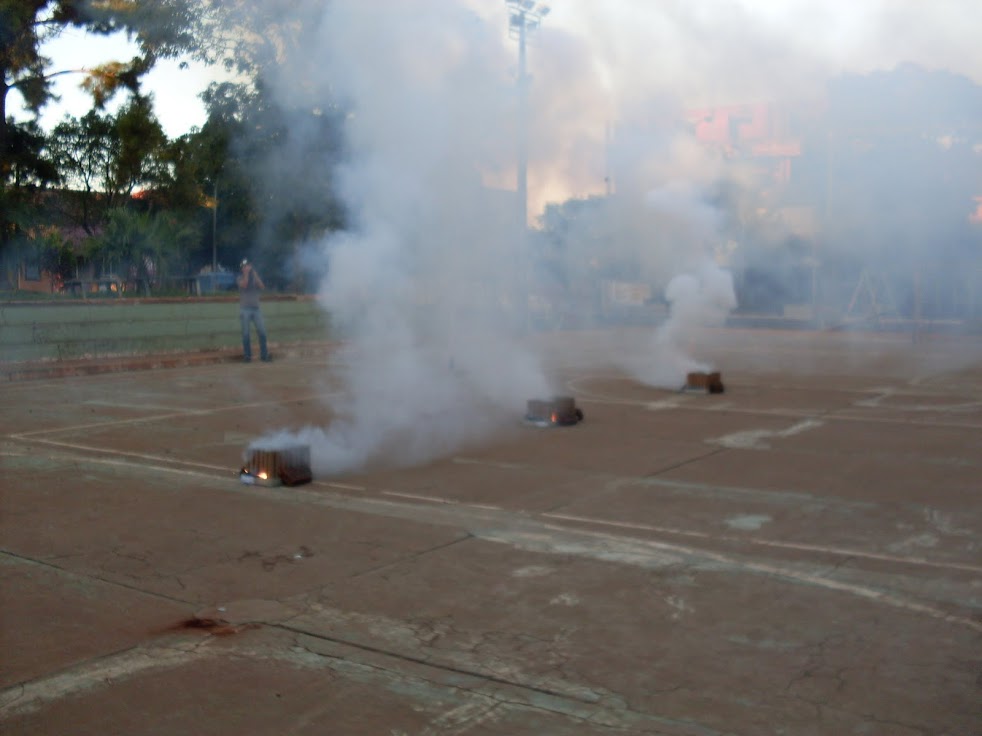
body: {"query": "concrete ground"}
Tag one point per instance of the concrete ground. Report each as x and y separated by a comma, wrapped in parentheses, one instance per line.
(799, 555)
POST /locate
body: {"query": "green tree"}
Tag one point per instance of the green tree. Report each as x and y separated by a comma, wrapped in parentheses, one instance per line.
(276, 185)
(270, 149)
(29, 170)
(161, 28)
(25, 162)
(140, 150)
(207, 184)
(149, 246)
(58, 259)
(81, 149)
(105, 157)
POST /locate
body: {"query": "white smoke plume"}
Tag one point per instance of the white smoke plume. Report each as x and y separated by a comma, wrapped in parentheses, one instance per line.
(426, 284)
(429, 282)
(699, 294)
(696, 300)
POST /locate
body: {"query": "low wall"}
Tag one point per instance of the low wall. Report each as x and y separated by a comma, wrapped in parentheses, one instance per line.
(32, 331)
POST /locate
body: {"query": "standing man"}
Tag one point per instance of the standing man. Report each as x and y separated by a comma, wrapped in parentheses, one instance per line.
(249, 287)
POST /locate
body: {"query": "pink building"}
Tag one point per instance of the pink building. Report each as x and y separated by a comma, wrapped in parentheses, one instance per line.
(758, 132)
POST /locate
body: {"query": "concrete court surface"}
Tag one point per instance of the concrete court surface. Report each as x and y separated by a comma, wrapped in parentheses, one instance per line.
(800, 555)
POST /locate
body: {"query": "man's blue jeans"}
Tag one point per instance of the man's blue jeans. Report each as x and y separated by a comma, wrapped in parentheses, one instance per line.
(247, 315)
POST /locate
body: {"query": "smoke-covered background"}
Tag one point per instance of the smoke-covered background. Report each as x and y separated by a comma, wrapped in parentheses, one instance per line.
(428, 278)
(726, 156)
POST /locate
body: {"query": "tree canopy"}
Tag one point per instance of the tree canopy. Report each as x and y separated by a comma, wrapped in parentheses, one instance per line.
(892, 158)
(161, 28)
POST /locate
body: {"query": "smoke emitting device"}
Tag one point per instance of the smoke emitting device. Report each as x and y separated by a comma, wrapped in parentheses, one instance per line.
(265, 466)
(703, 383)
(560, 411)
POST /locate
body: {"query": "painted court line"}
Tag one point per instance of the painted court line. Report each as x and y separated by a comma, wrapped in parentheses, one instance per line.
(779, 497)
(124, 453)
(183, 413)
(126, 463)
(603, 550)
(838, 551)
(630, 550)
(756, 439)
(442, 501)
(109, 423)
(28, 697)
(342, 486)
(489, 463)
(585, 396)
(128, 405)
(172, 465)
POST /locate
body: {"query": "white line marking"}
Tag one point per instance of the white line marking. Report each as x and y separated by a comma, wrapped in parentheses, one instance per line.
(748, 522)
(28, 697)
(585, 396)
(574, 386)
(159, 459)
(903, 422)
(464, 718)
(417, 497)
(488, 463)
(129, 405)
(874, 403)
(442, 501)
(110, 423)
(162, 468)
(173, 415)
(539, 540)
(799, 499)
(755, 439)
(343, 486)
(124, 453)
(837, 551)
(642, 552)
(672, 403)
(114, 377)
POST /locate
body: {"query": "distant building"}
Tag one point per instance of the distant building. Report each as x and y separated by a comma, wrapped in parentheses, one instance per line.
(760, 132)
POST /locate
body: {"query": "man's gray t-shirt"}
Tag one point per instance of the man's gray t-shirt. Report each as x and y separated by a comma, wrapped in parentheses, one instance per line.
(249, 296)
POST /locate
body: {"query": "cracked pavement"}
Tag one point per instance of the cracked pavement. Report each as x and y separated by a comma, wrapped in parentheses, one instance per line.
(636, 574)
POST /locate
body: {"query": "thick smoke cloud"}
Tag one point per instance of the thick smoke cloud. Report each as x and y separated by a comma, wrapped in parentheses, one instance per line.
(425, 281)
(699, 294)
(429, 281)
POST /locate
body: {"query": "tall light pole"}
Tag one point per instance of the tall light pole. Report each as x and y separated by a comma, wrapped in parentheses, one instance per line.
(214, 229)
(525, 16)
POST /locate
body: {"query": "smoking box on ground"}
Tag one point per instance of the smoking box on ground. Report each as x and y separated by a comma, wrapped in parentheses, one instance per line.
(559, 411)
(703, 383)
(288, 466)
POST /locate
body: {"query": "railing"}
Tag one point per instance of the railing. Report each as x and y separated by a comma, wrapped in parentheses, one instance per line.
(83, 287)
(115, 286)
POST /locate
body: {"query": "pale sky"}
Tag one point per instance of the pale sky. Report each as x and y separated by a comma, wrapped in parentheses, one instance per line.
(174, 89)
(606, 61)
(725, 51)
(692, 41)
